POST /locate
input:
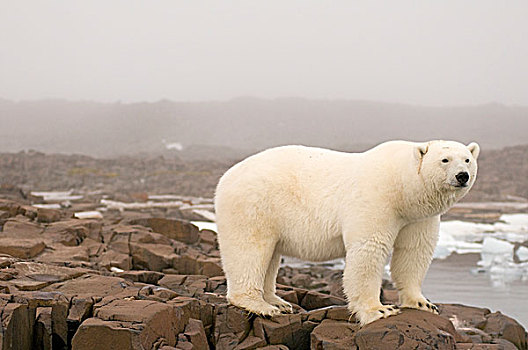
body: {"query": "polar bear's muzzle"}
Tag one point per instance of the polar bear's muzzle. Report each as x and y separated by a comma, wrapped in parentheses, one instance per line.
(462, 179)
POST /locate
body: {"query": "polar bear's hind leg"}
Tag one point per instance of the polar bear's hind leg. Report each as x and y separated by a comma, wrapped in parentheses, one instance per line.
(270, 285)
(245, 263)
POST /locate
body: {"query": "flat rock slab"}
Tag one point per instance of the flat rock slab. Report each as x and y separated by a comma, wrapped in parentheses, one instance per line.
(179, 230)
(90, 286)
(138, 324)
(20, 247)
(412, 329)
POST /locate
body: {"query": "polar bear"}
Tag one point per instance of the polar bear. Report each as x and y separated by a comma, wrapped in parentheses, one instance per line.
(318, 204)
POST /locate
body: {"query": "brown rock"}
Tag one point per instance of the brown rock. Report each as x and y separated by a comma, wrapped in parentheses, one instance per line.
(194, 331)
(194, 308)
(6, 260)
(504, 327)
(209, 237)
(48, 215)
(158, 320)
(468, 346)
(11, 207)
(112, 258)
(59, 325)
(409, 330)
(301, 280)
(17, 324)
(216, 284)
(60, 254)
(70, 232)
(210, 267)
(465, 316)
(338, 313)
(313, 300)
(29, 211)
(186, 285)
(331, 334)
(29, 285)
(90, 286)
(231, 326)
(156, 293)
(21, 248)
(149, 277)
(21, 228)
(290, 296)
(154, 257)
(43, 272)
(285, 329)
(179, 230)
(81, 309)
(56, 305)
(42, 329)
(40, 299)
(98, 334)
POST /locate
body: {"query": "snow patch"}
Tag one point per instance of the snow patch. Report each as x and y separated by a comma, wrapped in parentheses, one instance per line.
(94, 214)
(176, 146)
(57, 196)
(205, 225)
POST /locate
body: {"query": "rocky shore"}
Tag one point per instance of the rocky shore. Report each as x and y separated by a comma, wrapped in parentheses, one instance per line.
(147, 278)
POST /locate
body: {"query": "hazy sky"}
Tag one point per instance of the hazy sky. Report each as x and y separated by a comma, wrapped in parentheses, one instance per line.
(446, 52)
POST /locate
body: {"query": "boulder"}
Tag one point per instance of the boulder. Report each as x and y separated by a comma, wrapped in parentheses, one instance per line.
(20, 247)
(335, 335)
(149, 277)
(120, 319)
(195, 333)
(95, 333)
(48, 215)
(154, 257)
(21, 227)
(179, 230)
(231, 326)
(90, 285)
(412, 329)
(17, 324)
(504, 327)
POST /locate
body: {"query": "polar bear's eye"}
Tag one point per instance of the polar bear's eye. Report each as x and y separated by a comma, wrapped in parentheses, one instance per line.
(467, 160)
(445, 160)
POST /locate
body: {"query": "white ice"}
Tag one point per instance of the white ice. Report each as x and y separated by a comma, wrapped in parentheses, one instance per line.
(48, 206)
(177, 146)
(522, 253)
(57, 196)
(205, 225)
(94, 214)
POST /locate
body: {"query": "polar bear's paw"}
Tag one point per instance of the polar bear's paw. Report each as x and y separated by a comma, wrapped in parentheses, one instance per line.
(420, 304)
(255, 306)
(370, 315)
(282, 304)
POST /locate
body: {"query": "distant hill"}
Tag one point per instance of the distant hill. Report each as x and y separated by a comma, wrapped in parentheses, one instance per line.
(243, 125)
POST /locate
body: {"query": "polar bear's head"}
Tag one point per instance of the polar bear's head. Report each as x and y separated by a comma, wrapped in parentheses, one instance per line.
(448, 165)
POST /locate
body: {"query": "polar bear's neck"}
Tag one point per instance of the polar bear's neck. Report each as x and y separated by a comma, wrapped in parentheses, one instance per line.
(423, 200)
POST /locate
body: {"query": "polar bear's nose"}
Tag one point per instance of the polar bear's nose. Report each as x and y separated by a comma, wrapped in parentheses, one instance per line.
(462, 177)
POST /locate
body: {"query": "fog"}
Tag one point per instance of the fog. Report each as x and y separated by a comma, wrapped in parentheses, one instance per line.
(422, 53)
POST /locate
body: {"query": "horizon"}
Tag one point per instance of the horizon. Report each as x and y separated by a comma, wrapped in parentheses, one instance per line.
(256, 98)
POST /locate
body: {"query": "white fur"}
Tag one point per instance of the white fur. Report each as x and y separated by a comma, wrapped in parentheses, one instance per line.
(317, 204)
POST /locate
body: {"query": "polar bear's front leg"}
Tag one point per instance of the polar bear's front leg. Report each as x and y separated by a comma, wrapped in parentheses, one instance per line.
(362, 280)
(413, 251)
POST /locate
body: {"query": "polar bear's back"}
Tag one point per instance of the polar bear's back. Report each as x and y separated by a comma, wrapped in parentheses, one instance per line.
(281, 170)
(283, 192)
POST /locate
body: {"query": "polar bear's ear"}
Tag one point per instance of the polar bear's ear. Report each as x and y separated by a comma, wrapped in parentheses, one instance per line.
(421, 150)
(474, 148)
